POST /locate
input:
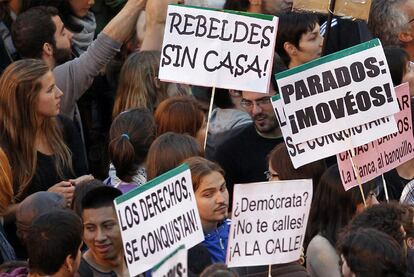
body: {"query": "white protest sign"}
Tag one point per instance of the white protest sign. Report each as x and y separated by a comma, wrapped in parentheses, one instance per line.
(158, 217)
(332, 144)
(384, 154)
(175, 264)
(337, 92)
(268, 222)
(214, 48)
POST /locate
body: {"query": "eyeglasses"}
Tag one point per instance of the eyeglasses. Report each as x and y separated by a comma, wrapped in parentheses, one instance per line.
(248, 104)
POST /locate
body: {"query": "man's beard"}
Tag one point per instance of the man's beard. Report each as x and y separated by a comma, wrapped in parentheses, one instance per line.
(62, 55)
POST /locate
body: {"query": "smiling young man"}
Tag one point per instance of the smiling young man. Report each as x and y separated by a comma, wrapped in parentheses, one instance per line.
(101, 234)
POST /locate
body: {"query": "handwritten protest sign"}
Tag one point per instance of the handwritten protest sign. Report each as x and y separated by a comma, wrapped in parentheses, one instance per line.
(218, 49)
(353, 8)
(337, 92)
(332, 144)
(175, 264)
(384, 154)
(268, 222)
(157, 217)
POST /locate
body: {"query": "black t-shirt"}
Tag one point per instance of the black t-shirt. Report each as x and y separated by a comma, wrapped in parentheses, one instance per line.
(46, 175)
(243, 156)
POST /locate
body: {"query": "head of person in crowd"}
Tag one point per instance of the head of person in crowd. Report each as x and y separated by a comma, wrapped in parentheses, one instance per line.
(39, 33)
(53, 244)
(138, 84)
(179, 114)
(32, 207)
(368, 252)
(29, 104)
(281, 167)
(259, 106)
(391, 22)
(333, 207)
(400, 66)
(168, 151)
(65, 10)
(218, 270)
(131, 135)
(275, 7)
(101, 232)
(408, 225)
(237, 5)
(80, 190)
(298, 39)
(385, 217)
(210, 192)
(6, 183)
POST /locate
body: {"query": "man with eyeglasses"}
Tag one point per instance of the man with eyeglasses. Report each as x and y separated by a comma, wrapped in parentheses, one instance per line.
(243, 155)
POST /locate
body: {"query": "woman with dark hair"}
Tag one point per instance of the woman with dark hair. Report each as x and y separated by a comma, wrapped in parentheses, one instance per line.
(168, 151)
(332, 209)
(179, 114)
(42, 147)
(370, 253)
(131, 135)
(298, 39)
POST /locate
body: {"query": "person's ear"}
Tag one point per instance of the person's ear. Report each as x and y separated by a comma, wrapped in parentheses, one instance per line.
(70, 263)
(47, 49)
(405, 36)
(410, 242)
(290, 49)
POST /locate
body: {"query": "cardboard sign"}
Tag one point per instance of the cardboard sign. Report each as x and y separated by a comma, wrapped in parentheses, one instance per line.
(268, 222)
(337, 92)
(213, 48)
(332, 144)
(158, 217)
(353, 8)
(174, 264)
(384, 154)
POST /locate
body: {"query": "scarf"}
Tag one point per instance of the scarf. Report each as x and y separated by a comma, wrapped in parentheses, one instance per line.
(83, 39)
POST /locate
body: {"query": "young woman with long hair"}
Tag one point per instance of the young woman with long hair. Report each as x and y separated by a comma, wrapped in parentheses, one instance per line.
(138, 85)
(43, 149)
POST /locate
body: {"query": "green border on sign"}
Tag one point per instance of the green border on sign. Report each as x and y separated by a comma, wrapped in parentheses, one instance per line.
(331, 57)
(152, 183)
(255, 15)
(157, 266)
(275, 97)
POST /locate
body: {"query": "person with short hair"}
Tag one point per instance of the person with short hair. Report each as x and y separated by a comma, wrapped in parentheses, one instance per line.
(368, 252)
(53, 244)
(391, 22)
(101, 234)
(298, 39)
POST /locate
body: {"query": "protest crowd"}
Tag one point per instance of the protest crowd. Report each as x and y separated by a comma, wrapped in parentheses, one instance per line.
(113, 153)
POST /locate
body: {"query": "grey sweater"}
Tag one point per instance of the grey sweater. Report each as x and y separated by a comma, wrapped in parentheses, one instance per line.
(74, 77)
